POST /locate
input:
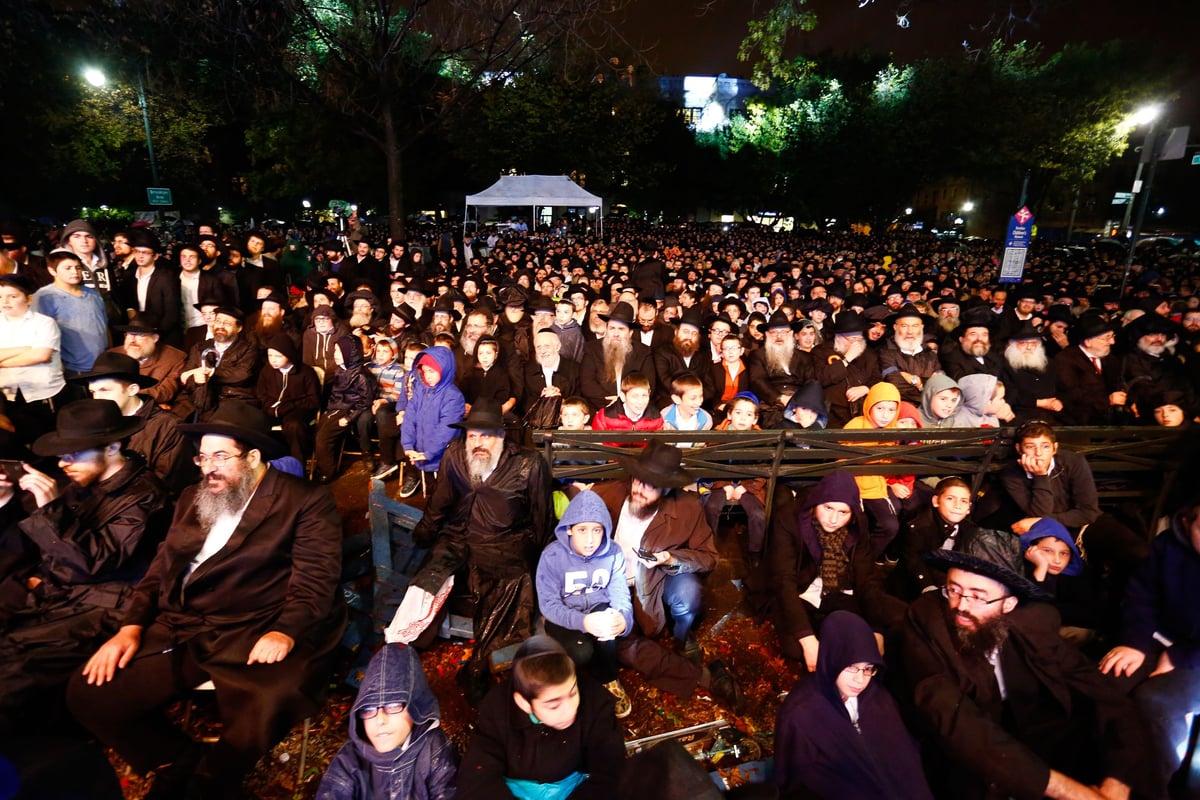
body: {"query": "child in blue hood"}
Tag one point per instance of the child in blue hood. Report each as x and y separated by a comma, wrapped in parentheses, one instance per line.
(583, 592)
(397, 749)
(436, 404)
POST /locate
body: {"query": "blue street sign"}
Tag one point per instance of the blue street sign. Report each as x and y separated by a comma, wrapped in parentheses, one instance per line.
(1016, 246)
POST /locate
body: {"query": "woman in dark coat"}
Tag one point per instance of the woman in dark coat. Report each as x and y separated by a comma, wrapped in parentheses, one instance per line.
(839, 735)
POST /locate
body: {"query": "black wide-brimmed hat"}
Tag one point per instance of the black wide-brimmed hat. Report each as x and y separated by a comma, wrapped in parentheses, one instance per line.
(1090, 325)
(86, 425)
(138, 324)
(115, 365)
(659, 465)
(778, 319)
(976, 317)
(485, 415)
(242, 421)
(992, 554)
(623, 313)
(1026, 331)
(849, 322)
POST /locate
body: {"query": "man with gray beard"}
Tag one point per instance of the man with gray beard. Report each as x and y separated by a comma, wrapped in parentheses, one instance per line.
(243, 592)
(846, 368)
(777, 369)
(905, 361)
(491, 513)
(1031, 388)
(606, 360)
(1150, 369)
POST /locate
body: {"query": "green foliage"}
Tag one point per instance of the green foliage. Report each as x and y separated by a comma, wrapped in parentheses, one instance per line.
(767, 38)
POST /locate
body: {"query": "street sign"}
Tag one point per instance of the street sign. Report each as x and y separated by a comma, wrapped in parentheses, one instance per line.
(1121, 198)
(158, 196)
(1016, 246)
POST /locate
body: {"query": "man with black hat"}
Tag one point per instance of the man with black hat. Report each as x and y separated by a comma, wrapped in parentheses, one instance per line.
(93, 538)
(606, 360)
(969, 350)
(146, 289)
(685, 353)
(155, 359)
(116, 377)
(1148, 368)
(1080, 371)
(14, 241)
(652, 331)
(490, 512)
(668, 546)
(242, 593)
(778, 368)
(905, 361)
(222, 368)
(271, 319)
(1012, 708)
(847, 368)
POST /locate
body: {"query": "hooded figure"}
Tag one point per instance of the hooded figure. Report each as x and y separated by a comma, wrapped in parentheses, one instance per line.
(832, 745)
(431, 410)
(353, 386)
(937, 383)
(810, 396)
(977, 391)
(421, 768)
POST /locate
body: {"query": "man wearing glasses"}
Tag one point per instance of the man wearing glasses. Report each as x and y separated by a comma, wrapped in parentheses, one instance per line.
(242, 593)
(1013, 709)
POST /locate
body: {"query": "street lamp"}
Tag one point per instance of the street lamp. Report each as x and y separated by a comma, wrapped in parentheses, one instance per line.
(1146, 115)
(96, 77)
(968, 207)
(1151, 150)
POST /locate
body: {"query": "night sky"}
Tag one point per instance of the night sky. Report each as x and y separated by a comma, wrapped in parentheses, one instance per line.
(701, 38)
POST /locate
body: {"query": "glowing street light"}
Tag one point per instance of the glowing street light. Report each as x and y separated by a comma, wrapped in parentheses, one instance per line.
(968, 207)
(1145, 114)
(306, 203)
(908, 211)
(96, 78)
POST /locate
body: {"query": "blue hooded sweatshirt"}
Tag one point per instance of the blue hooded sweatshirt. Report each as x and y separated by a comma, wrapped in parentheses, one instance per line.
(423, 768)
(570, 586)
(428, 416)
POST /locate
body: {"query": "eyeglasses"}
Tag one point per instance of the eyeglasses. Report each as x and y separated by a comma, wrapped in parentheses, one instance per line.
(370, 712)
(216, 459)
(955, 593)
(870, 670)
(76, 457)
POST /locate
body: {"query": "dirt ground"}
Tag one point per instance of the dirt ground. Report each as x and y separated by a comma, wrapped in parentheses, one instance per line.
(727, 632)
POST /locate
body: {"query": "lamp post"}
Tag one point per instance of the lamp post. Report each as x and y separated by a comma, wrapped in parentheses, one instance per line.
(1144, 115)
(1151, 150)
(97, 78)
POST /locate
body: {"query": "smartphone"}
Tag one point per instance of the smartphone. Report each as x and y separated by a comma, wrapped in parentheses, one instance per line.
(12, 470)
(646, 554)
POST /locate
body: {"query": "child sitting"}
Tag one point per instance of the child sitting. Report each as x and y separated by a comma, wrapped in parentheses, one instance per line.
(488, 379)
(685, 413)
(808, 409)
(397, 748)
(939, 402)
(352, 390)
(388, 373)
(633, 412)
(545, 732)
(574, 416)
(583, 593)
(436, 403)
(405, 385)
(749, 493)
(1059, 568)
(289, 391)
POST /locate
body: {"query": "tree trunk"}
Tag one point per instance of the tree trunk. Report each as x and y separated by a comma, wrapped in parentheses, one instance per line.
(395, 175)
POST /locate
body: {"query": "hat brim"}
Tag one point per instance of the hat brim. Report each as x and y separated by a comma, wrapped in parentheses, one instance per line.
(479, 422)
(673, 479)
(1019, 585)
(143, 381)
(53, 444)
(268, 445)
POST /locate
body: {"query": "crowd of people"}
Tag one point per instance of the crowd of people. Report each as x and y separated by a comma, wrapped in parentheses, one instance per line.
(171, 411)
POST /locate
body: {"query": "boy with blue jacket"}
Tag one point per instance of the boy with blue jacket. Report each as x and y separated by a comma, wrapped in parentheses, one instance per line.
(436, 404)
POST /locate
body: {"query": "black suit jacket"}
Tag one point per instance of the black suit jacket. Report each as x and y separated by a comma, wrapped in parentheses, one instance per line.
(595, 388)
(162, 298)
(566, 378)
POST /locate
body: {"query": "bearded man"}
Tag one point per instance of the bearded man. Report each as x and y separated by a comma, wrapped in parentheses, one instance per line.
(1081, 371)
(846, 367)
(777, 369)
(972, 353)
(905, 361)
(684, 354)
(550, 374)
(1031, 388)
(222, 368)
(270, 320)
(490, 513)
(606, 360)
(242, 593)
(1150, 369)
(1012, 708)
(155, 359)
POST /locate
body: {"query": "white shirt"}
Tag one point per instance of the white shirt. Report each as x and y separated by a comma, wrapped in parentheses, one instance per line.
(189, 292)
(218, 536)
(993, 658)
(630, 531)
(36, 381)
(143, 284)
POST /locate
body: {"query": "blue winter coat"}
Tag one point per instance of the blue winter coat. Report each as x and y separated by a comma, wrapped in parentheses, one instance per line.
(424, 770)
(570, 586)
(432, 409)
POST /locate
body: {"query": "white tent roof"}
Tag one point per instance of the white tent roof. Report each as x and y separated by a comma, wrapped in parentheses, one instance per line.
(534, 190)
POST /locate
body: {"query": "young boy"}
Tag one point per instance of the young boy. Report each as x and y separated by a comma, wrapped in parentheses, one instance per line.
(352, 390)
(583, 593)
(435, 404)
(397, 748)
(685, 413)
(487, 379)
(387, 371)
(808, 409)
(574, 415)
(936, 527)
(750, 493)
(405, 385)
(545, 732)
(633, 413)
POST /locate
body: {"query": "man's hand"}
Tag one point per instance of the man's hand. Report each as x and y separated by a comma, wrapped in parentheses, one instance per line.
(661, 558)
(1122, 661)
(1061, 787)
(1050, 404)
(856, 393)
(343, 422)
(1164, 665)
(114, 654)
(810, 646)
(1034, 465)
(43, 488)
(1022, 526)
(271, 648)
(414, 455)
(1118, 399)
(1113, 789)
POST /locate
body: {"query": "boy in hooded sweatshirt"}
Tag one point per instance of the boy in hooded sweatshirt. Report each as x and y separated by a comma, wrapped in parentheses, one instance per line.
(583, 592)
(351, 390)
(940, 399)
(397, 749)
(289, 391)
(435, 403)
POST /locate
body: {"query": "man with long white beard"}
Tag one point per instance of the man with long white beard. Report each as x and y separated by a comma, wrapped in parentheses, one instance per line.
(685, 354)
(243, 593)
(777, 369)
(904, 361)
(1150, 368)
(550, 374)
(1012, 709)
(490, 513)
(606, 360)
(846, 367)
(1031, 388)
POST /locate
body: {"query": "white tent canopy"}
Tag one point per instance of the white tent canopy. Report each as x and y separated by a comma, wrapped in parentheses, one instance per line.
(534, 191)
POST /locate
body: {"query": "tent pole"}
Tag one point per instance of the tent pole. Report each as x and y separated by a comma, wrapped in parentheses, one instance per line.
(466, 210)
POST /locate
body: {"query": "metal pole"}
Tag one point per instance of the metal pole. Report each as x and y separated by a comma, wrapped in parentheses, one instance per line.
(1024, 190)
(1155, 142)
(141, 89)
(1151, 138)
(1074, 211)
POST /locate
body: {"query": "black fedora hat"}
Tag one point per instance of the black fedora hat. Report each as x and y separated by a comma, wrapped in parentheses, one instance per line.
(778, 319)
(138, 324)
(241, 421)
(1089, 326)
(208, 301)
(85, 425)
(1026, 331)
(849, 322)
(274, 297)
(992, 554)
(115, 365)
(977, 317)
(231, 311)
(659, 465)
(485, 415)
(622, 313)
(691, 316)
